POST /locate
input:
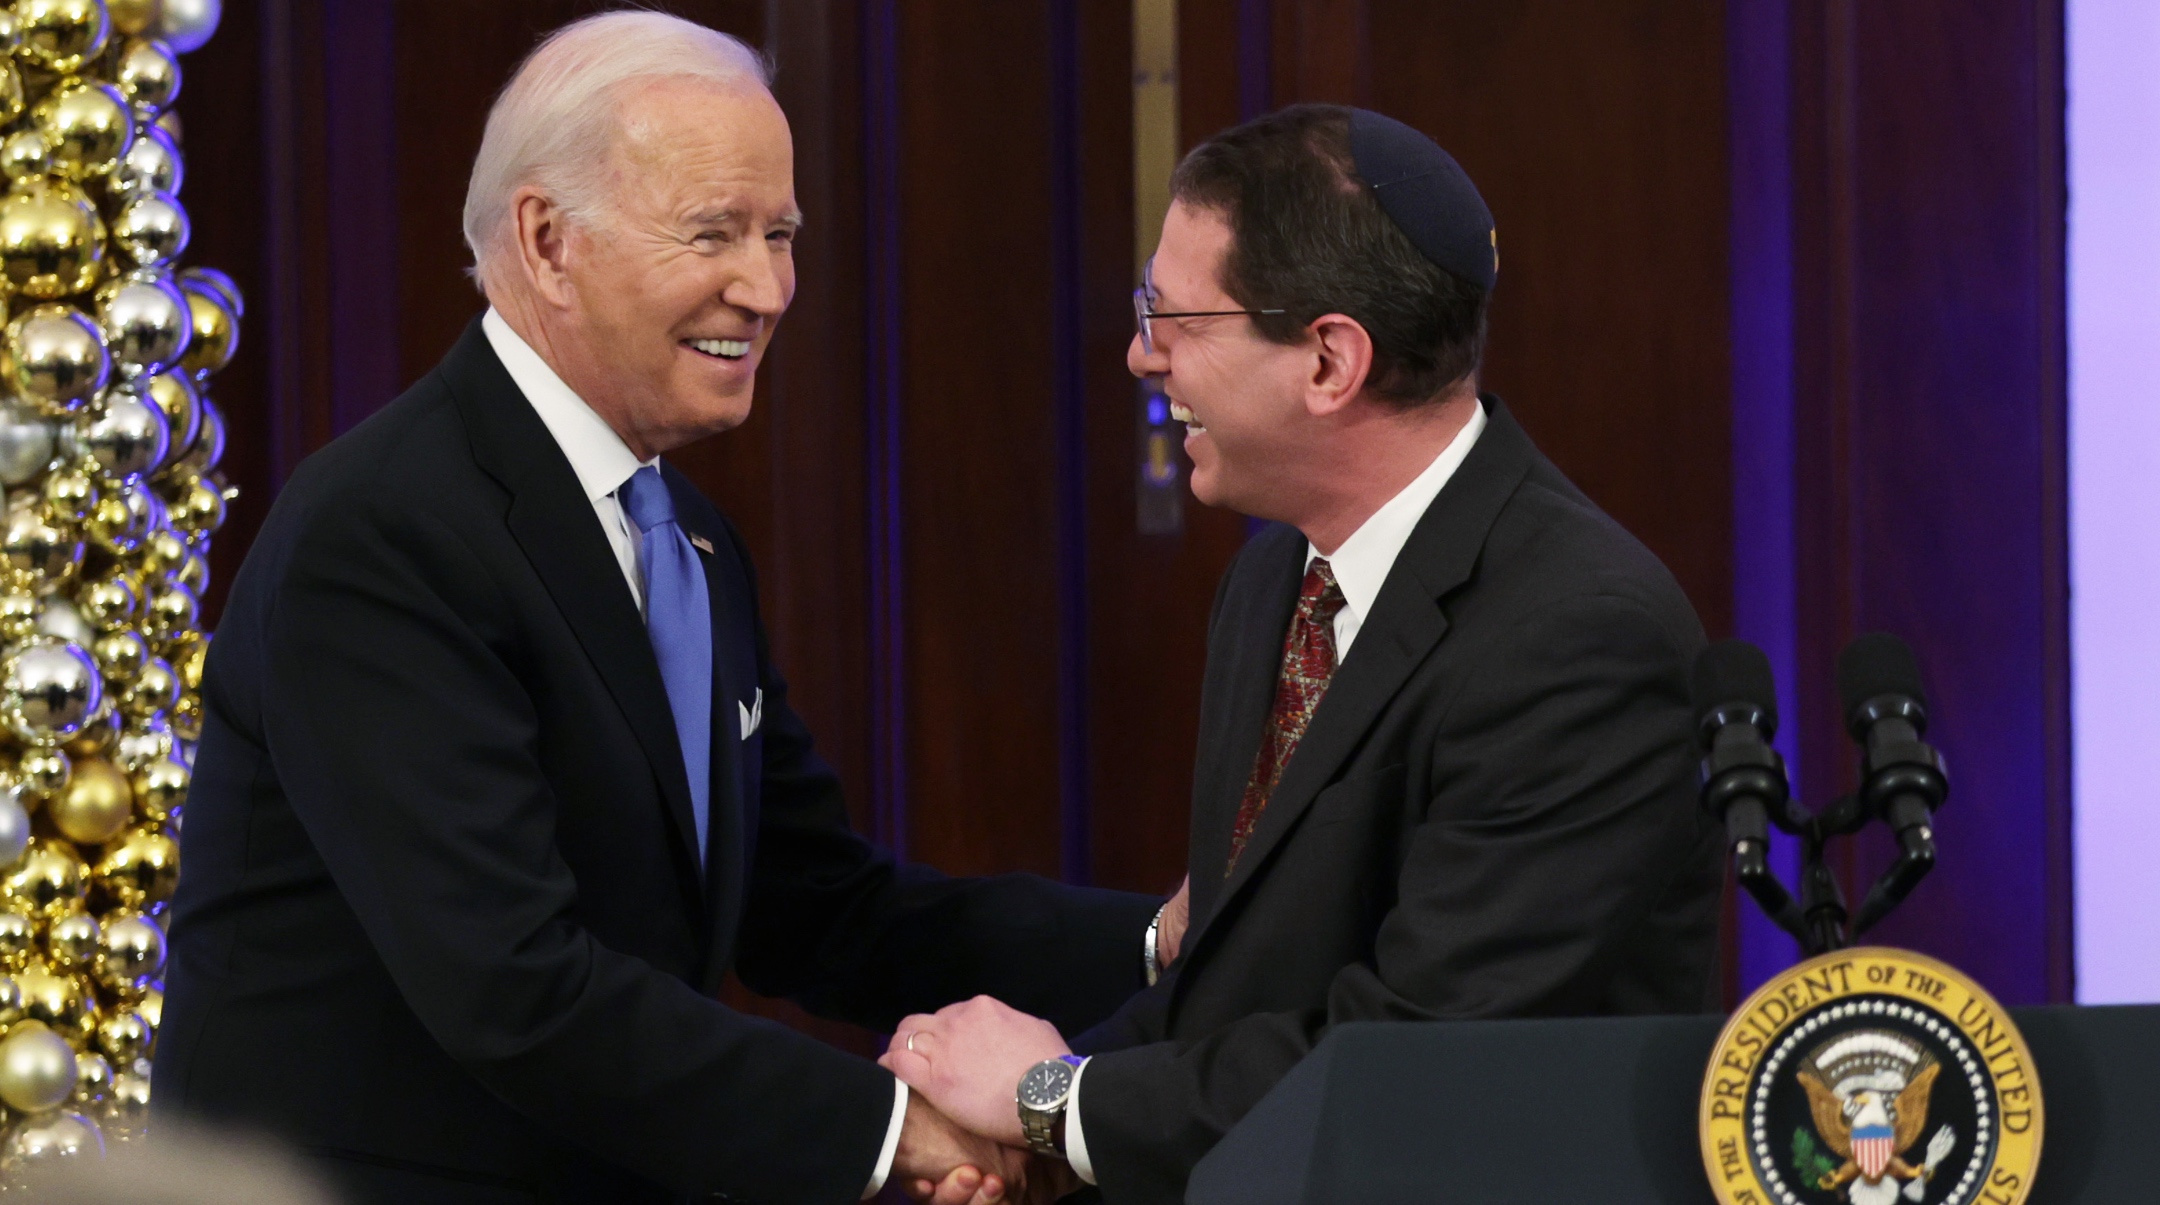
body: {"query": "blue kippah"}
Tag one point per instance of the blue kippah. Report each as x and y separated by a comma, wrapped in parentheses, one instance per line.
(1426, 193)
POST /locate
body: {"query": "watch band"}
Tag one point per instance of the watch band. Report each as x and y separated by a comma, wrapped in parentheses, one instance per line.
(1150, 948)
(1044, 1129)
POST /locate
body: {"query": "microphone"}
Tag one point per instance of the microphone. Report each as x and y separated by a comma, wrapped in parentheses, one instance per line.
(1743, 778)
(1901, 775)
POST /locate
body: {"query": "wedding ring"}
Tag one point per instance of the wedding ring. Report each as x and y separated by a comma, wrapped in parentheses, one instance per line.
(911, 1040)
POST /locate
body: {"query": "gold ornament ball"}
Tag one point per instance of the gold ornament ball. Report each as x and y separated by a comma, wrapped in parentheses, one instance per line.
(57, 999)
(29, 439)
(43, 772)
(164, 552)
(105, 603)
(148, 74)
(123, 434)
(146, 324)
(51, 1140)
(88, 126)
(132, 17)
(152, 229)
(96, 804)
(36, 553)
(169, 611)
(153, 691)
(37, 1069)
(141, 869)
(220, 283)
(52, 243)
(209, 445)
(46, 885)
(126, 1114)
(48, 690)
(120, 655)
(70, 494)
(198, 509)
(12, 94)
(71, 944)
(151, 1008)
(25, 157)
(131, 949)
(98, 736)
(61, 35)
(217, 329)
(11, 1001)
(152, 163)
(18, 944)
(18, 616)
(125, 1036)
(11, 31)
(175, 394)
(93, 1081)
(14, 826)
(188, 652)
(186, 718)
(57, 354)
(114, 527)
(141, 744)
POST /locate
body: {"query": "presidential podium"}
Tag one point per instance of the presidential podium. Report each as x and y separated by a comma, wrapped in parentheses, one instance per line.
(1603, 1111)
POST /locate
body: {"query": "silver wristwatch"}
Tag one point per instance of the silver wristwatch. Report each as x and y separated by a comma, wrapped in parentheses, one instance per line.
(1042, 1095)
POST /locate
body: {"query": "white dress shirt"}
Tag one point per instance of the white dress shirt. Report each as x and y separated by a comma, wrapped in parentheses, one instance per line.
(1361, 567)
(603, 464)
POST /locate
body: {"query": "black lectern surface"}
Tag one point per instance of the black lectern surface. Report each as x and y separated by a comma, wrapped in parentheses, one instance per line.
(1604, 1111)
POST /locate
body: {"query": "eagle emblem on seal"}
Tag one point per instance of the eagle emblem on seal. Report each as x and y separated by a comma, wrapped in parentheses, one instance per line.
(1868, 1094)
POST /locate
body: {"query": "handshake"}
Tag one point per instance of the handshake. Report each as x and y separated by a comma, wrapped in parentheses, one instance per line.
(962, 1142)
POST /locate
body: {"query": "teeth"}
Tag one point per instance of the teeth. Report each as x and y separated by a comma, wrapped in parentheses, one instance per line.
(1180, 413)
(732, 349)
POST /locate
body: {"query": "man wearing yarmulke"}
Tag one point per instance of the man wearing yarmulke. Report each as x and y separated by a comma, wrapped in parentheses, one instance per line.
(1445, 764)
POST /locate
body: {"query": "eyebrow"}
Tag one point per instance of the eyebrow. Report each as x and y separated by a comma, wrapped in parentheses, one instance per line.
(792, 220)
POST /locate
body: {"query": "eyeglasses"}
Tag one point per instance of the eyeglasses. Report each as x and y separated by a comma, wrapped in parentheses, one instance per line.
(1145, 313)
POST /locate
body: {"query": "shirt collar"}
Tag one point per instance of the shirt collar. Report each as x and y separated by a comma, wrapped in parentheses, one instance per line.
(1362, 564)
(599, 457)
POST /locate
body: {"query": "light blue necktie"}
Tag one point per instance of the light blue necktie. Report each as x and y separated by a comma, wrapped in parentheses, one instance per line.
(678, 618)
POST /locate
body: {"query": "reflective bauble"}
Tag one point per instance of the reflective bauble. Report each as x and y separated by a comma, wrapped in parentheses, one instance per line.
(36, 553)
(148, 74)
(48, 688)
(11, 30)
(151, 164)
(15, 826)
(169, 121)
(186, 718)
(18, 945)
(11, 1000)
(71, 944)
(57, 617)
(143, 743)
(145, 320)
(175, 395)
(96, 804)
(193, 573)
(57, 355)
(19, 614)
(116, 526)
(37, 1069)
(127, 1111)
(197, 509)
(124, 1036)
(161, 788)
(61, 35)
(151, 229)
(132, 16)
(151, 1008)
(220, 283)
(68, 491)
(105, 603)
(131, 951)
(58, 999)
(28, 442)
(188, 651)
(124, 432)
(163, 553)
(43, 1144)
(26, 158)
(120, 655)
(141, 869)
(93, 1081)
(12, 95)
(169, 611)
(46, 885)
(209, 445)
(152, 691)
(187, 24)
(88, 125)
(41, 773)
(217, 329)
(52, 243)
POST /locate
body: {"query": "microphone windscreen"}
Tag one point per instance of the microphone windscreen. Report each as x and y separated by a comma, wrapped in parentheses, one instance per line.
(1876, 665)
(1734, 671)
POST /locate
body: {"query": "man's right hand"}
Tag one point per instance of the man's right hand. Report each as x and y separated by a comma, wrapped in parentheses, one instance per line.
(942, 1164)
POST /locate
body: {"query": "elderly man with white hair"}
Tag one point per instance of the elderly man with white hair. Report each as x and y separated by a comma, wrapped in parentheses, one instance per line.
(498, 781)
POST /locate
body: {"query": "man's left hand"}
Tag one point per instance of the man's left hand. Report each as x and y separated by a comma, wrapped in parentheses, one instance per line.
(968, 1060)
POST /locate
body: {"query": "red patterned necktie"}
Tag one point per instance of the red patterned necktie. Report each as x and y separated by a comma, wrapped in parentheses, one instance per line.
(1308, 664)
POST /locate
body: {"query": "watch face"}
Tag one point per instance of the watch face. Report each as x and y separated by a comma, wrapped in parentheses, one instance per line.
(1046, 1085)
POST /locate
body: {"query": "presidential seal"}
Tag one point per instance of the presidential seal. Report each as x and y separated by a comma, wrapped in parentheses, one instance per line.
(1871, 1076)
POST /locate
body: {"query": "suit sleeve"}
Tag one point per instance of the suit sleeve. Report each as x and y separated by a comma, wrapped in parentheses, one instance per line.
(1560, 808)
(838, 925)
(406, 743)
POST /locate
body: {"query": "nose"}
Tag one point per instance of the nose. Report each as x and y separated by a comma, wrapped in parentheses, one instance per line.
(760, 286)
(1141, 362)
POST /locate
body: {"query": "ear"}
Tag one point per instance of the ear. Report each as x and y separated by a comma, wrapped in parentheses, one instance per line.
(1343, 359)
(543, 251)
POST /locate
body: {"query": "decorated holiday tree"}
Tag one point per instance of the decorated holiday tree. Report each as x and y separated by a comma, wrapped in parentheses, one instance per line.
(109, 446)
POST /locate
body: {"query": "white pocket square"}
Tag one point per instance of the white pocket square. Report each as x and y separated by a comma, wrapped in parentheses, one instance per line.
(753, 713)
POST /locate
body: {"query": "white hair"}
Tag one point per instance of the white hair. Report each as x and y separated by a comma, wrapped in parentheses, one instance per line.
(555, 121)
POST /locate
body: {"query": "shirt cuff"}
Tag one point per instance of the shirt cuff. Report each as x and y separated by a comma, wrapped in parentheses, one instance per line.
(892, 1140)
(1075, 1138)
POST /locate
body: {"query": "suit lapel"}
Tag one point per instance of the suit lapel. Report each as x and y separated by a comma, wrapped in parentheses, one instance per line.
(1406, 623)
(553, 522)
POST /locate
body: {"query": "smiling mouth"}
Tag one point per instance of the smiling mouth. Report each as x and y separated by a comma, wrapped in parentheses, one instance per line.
(1183, 415)
(719, 349)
